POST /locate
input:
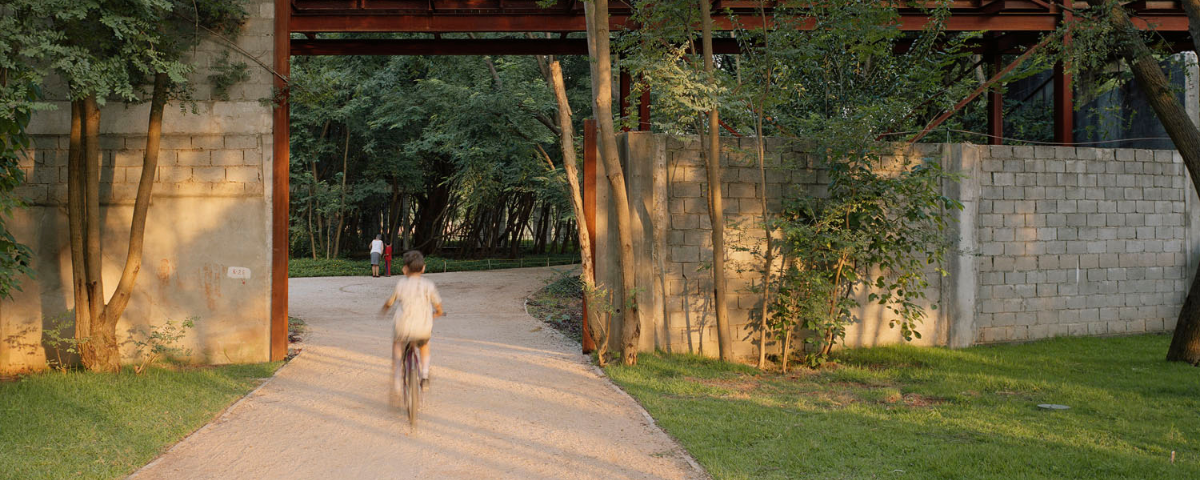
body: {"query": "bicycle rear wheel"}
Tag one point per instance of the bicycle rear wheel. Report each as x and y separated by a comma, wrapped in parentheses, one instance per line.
(412, 383)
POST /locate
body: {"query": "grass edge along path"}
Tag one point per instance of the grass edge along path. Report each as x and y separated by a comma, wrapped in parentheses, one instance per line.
(86, 425)
(342, 267)
(935, 413)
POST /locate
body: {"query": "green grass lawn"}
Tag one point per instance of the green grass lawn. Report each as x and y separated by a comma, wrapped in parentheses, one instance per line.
(84, 425)
(926, 413)
(341, 267)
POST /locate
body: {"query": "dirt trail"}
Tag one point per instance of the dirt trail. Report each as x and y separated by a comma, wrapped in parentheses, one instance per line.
(509, 399)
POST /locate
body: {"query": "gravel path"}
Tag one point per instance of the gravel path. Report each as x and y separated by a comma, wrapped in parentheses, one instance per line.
(509, 398)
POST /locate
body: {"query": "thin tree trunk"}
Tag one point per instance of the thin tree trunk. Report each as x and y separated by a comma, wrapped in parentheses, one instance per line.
(137, 229)
(598, 42)
(1185, 344)
(769, 257)
(715, 201)
(393, 216)
(312, 237)
(76, 213)
(95, 353)
(597, 328)
(404, 224)
(337, 239)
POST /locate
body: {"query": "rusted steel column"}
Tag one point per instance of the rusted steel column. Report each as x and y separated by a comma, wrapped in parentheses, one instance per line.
(589, 212)
(1064, 97)
(1064, 106)
(623, 96)
(995, 107)
(280, 195)
(644, 111)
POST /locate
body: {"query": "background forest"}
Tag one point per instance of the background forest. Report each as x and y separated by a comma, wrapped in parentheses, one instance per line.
(453, 155)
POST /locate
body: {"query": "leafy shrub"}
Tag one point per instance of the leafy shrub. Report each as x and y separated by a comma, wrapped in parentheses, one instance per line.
(875, 232)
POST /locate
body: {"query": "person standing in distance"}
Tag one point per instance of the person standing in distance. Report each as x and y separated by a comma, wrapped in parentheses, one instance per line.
(376, 252)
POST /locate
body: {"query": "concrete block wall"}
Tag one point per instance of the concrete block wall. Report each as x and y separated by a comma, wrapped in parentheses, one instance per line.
(1080, 241)
(210, 210)
(1051, 241)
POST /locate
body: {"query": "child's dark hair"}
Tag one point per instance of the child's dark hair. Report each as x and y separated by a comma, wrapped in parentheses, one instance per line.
(414, 260)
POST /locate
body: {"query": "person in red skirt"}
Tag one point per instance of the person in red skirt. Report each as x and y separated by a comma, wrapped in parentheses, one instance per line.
(387, 260)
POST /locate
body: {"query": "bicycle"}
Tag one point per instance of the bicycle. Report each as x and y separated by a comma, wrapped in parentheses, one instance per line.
(411, 376)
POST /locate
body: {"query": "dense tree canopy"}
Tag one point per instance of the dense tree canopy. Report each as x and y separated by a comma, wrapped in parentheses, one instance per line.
(435, 153)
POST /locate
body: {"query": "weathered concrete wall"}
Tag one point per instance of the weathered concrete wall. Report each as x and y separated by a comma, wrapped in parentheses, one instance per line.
(1051, 241)
(210, 211)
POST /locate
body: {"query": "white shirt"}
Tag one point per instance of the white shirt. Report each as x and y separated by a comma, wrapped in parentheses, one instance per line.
(377, 246)
(414, 316)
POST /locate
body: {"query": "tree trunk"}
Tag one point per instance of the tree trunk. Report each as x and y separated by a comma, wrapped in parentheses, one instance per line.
(393, 216)
(769, 256)
(1192, 8)
(337, 239)
(404, 224)
(1185, 345)
(137, 228)
(598, 43)
(715, 202)
(100, 352)
(76, 211)
(597, 328)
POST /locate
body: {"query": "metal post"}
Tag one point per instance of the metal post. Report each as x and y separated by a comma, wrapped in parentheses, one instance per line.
(280, 200)
(626, 82)
(995, 105)
(644, 111)
(589, 213)
(1064, 98)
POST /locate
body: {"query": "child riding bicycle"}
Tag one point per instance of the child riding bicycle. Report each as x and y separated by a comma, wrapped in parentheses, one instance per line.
(419, 305)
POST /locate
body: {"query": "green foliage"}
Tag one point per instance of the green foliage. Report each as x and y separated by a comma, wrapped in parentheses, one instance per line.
(87, 425)
(564, 284)
(157, 342)
(15, 258)
(932, 413)
(455, 141)
(834, 87)
(876, 233)
(60, 340)
(225, 75)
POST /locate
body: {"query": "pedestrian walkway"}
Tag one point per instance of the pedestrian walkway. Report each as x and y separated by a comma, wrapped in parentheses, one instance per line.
(509, 399)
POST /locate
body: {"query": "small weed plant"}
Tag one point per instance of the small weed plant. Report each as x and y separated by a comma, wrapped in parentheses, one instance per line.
(155, 343)
(61, 342)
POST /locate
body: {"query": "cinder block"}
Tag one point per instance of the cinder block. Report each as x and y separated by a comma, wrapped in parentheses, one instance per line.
(192, 157)
(227, 157)
(229, 189)
(173, 174)
(685, 222)
(208, 174)
(686, 190)
(243, 174)
(208, 142)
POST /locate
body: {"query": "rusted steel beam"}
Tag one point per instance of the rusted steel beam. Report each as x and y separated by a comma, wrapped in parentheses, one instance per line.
(280, 199)
(460, 46)
(974, 94)
(552, 21)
